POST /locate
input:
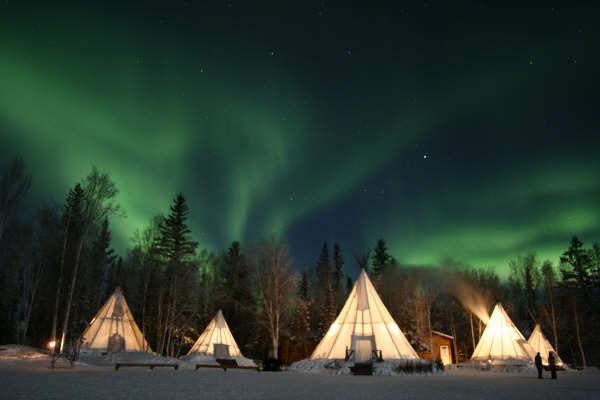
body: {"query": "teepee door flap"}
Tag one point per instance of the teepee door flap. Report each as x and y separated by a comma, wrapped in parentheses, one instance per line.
(363, 347)
(221, 350)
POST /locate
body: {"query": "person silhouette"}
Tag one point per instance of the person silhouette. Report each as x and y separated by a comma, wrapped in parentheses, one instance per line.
(539, 365)
(552, 363)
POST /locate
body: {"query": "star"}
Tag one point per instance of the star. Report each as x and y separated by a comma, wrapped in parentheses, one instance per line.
(425, 156)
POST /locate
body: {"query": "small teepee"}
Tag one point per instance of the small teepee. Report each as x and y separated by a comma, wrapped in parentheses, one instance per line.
(501, 341)
(540, 344)
(113, 329)
(364, 328)
(217, 341)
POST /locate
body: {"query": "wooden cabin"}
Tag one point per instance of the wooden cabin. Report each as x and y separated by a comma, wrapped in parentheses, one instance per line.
(443, 348)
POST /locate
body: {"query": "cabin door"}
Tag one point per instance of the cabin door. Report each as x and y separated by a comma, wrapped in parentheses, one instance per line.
(445, 355)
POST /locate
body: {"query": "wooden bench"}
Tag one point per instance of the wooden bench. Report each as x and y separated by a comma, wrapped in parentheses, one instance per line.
(362, 369)
(226, 363)
(148, 365)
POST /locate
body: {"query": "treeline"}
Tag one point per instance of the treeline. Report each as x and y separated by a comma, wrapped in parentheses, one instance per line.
(57, 268)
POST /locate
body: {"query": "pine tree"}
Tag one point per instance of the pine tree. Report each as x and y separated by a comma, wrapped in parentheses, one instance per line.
(349, 285)
(338, 263)
(323, 269)
(102, 256)
(330, 307)
(595, 259)
(72, 221)
(380, 258)
(99, 202)
(301, 320)
(177, 250)
(94, 280)
(549, 281)
(576, 279)
(325, 295)
(303, 288)
(176, 246)
(575, 264)
(235, 287)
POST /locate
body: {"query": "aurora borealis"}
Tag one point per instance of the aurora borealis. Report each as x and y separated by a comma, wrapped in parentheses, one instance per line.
(464, 131)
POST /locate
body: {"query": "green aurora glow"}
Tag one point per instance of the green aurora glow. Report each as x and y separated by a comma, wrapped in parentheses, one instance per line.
(307, 141)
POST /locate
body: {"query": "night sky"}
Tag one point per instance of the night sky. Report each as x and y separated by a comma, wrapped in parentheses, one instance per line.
(449, 129)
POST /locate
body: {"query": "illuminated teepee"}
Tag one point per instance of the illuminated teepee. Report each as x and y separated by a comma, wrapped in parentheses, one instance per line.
(113, 329)
(216, 340)
(501, 341)
(363, 328)
(540, 344)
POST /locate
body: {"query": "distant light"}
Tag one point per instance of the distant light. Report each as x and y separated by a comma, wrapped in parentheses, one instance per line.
(425, 156)
(51, 344)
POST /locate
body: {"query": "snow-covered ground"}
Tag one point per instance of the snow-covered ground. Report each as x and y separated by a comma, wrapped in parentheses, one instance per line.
(30, 378)
(387, 367)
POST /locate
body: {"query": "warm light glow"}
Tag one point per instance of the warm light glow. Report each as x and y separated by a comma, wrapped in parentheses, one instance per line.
(394, 328)
(51, 344)
(363, 325)
(333, 329)
(501, 340)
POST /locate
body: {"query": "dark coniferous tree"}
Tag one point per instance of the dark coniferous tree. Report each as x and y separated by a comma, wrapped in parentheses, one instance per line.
(326, 297)
(323, 269)
(338, 264)
(301, 320)
(176, 250)
(73, 224)
(101, 258)
(380, 258)
(576, 266)
(235, 287)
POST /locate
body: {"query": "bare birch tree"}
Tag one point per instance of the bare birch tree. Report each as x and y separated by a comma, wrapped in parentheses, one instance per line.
(275, 283)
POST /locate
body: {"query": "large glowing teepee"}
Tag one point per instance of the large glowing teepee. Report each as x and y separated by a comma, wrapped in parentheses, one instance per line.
(113, 329)
(501, 341)
(216, 340)
(364, 326)
(540, 344)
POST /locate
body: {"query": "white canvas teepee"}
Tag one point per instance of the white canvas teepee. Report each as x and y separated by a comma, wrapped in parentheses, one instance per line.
(540, 344)
(216, 341)
(364, 325)
(501, 341)
(113, 329)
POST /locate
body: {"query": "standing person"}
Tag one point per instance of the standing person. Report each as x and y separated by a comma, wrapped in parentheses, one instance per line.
(552, 363)
(538, 364)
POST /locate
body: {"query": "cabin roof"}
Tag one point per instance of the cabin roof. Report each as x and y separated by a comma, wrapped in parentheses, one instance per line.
(438, 333)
